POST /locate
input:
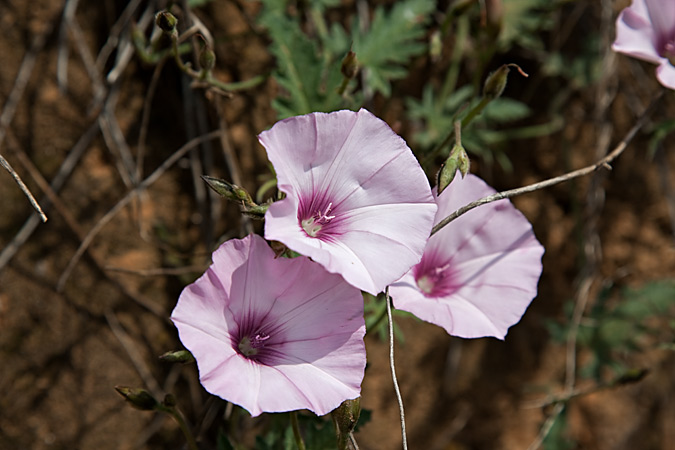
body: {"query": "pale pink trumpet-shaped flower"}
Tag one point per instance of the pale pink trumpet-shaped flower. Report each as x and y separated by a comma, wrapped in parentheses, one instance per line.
(646, 30)
(480, 272)
(357, 201)
(273, 335)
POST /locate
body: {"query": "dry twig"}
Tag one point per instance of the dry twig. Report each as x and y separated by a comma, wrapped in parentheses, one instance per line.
(127, 198)
(603, 163)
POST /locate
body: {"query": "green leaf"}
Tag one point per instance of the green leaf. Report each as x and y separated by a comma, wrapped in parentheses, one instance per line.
(620, 324)
(392, 39)
(308, 78)
(505, 109)
(524, 20)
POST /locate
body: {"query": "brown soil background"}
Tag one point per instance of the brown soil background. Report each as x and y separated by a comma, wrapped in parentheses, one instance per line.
(62, 352)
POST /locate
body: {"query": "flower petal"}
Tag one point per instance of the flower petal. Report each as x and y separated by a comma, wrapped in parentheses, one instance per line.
(662, 17)
(635, 35)
(312, 356)
(351, 161)
(494, 260)
(665, 73)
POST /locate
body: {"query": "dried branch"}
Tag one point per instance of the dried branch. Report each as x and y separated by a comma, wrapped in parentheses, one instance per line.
(127, 198)
(393, 370)
(602, 163)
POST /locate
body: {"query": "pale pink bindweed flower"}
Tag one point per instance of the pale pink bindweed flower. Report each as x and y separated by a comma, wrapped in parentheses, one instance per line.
(646, 30)
(357, 201)
(480, 272)
(273, 335)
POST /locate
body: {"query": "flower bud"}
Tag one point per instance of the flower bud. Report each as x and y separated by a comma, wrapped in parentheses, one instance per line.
(229, 191)
(458, 160)
(166, 21)
(496, 81)
(345, 418)
(207, 58)
(178, 356)
(138, 398)
(350, 65)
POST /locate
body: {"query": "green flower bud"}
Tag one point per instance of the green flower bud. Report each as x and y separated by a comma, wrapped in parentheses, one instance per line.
(229, 191)
(207, 58)
(179, 356)
(138, 398)
(345, 418)
(350, 65)
(166, 22)
(457, 160)
(496, 81)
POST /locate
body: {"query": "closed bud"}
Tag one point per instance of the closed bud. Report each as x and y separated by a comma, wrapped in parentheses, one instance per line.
(207, 58)
(345, 418)
(229, 191)
(178, 356)
(458, 160)
(447, 172)
(496, 81)
(166, 22)
(350, 65)
(138, 398)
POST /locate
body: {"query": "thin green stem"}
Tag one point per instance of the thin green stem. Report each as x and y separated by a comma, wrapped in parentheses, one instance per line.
(343, 86)
(206, 76)
(235, 86)
(296, 430)
(475, 111)
(176, 414)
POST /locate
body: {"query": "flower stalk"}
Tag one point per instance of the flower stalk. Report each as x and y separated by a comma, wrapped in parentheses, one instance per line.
(144, 401)
(299, 442)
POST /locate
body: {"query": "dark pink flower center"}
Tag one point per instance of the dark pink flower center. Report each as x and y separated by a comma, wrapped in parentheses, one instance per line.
(314, 223)
(435, 279)
(251, 345)
(318, 218)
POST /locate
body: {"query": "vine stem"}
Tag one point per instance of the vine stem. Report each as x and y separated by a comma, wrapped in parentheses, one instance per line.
(604, 162)
(296, 430)
(393, 369)
(178, 417)
(127, 198)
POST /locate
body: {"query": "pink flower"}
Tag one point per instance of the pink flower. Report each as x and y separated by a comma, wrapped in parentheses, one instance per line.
(646, 30)
(480, 272)
(357, 201)
(267, 339)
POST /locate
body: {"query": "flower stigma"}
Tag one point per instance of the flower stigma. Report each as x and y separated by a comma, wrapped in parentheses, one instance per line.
(249, 346)
(435, 281)
(313, 224)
